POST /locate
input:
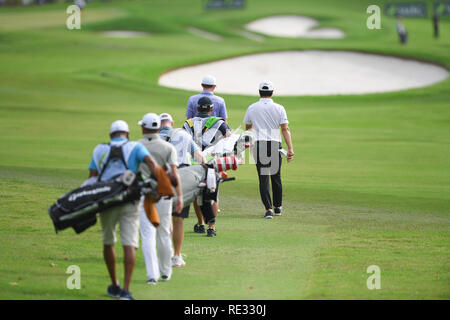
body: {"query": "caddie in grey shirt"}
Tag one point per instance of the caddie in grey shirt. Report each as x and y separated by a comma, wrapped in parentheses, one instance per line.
(157, 242)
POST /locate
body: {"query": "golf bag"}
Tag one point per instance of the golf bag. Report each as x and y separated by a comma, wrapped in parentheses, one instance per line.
(201, 183)
(192, 182)
(235, 144)
(78, 208)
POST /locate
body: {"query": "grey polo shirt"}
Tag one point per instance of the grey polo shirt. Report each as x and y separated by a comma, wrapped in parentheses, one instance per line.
(162, 151)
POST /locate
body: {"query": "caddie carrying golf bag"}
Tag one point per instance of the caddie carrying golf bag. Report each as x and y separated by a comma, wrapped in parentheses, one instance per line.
(201, 183)
(78, 208)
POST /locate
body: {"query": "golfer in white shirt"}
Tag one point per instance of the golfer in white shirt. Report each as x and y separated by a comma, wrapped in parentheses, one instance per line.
(266, 118)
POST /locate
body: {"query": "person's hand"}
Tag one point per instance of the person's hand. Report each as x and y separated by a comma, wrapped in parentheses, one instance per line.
(290, 155)
(179, 204)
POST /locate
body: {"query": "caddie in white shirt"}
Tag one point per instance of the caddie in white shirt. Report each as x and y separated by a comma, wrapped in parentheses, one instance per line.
(266, 118)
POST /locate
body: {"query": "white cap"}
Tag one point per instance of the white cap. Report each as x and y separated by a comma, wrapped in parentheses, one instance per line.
(209, 80)
(165, 116)
(119, 125)
(150, 121)
(266, 85)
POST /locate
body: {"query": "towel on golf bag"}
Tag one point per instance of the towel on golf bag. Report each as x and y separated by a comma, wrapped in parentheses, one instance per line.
(150, 211)
(164, 189)
(78, 208)
(165, 182)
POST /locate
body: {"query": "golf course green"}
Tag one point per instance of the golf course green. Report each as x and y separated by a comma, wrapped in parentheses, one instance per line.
(369, 184)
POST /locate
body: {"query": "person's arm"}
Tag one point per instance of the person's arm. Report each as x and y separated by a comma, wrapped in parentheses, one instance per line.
(93, 170)
(190, 109)
(287, 138)
(196, 152)
(225, 129)
(151, 163)
(179, 202)
(223, 112)
(93, 173)
(199, 157)
(247, 121)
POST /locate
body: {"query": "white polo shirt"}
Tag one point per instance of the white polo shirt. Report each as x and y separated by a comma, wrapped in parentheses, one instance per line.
(266, 117)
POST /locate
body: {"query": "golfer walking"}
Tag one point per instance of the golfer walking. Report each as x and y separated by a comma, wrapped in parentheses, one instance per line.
(209, 85)
(158, 263)
(266, 118)
(109, 161)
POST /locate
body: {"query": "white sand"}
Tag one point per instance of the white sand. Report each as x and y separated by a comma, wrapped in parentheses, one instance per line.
(124, 34)
(310, 72)
(291, 26)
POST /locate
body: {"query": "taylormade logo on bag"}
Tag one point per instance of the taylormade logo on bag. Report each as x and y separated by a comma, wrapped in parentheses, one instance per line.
(75, 196)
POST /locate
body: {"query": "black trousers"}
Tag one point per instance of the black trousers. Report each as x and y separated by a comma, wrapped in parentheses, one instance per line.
(268, 166)
(403, 37)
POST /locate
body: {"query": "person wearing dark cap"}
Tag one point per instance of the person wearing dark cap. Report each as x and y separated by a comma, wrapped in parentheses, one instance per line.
(266, 118)
(206, 130)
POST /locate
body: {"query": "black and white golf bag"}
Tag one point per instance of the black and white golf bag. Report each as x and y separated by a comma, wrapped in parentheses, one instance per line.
(78, 208)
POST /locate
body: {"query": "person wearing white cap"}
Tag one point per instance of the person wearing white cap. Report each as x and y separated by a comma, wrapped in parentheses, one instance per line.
(158, 263)
(108, 162)
(266, 118)
(186, 150)
(209, 85)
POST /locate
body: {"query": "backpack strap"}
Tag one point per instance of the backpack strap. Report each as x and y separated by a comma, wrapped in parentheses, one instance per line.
(115, 152)
(209, 123)
(189, 124)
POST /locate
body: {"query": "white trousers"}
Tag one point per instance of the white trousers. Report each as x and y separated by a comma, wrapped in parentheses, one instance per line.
(157, 262)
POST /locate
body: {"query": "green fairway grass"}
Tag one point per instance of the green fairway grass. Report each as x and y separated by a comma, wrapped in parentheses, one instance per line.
(369, 185)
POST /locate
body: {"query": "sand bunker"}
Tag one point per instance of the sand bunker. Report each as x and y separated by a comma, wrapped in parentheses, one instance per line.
(291, 26)
(124, 34)
(310, 72)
